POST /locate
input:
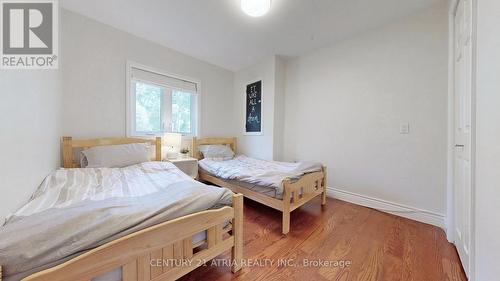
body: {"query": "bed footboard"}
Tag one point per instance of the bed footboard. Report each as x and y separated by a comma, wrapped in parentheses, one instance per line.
(302, 191)
(161, 252)
(299, 193)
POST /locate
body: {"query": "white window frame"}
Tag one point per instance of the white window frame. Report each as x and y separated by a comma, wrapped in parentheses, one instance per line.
(130, 101)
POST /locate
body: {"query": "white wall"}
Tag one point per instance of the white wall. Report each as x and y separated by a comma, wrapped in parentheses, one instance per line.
(279, 109)
(29, 133)
(37, 110)
(94, 79)
(345, 103)
(487, 185)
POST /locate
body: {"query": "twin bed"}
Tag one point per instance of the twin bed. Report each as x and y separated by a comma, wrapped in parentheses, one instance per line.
(120, 223)
(147, 221)
(279, 185)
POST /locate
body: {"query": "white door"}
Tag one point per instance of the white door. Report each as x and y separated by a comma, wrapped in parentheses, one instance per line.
(463, 113)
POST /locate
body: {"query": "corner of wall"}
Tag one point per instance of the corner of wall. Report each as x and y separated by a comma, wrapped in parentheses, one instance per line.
(279, 109)
(269, 145)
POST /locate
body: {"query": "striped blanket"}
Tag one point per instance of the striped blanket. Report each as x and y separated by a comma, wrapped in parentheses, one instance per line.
(258, 172)
(66, 187)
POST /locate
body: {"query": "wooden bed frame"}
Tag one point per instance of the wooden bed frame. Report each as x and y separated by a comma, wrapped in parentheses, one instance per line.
(300, 191)
(161, 252)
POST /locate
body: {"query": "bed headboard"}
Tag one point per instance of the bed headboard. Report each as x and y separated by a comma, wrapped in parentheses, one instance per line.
(68, 144)
(196, 142)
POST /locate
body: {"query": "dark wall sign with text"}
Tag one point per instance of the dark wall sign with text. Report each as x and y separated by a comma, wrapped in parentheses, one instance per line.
(253, 124)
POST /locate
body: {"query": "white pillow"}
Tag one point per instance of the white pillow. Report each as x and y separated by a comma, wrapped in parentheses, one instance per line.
(216, 151)
(115, 156)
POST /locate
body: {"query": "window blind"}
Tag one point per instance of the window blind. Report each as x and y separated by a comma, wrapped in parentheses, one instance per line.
(163, 80)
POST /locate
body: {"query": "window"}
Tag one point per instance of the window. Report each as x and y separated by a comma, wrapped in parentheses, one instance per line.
(159, 103)
(148, 107)
(181, 112)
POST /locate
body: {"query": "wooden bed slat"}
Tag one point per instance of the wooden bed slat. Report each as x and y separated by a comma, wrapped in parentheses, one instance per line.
(214, 235)
(156, 270)
(143, 268)
(168, 255)
(67, 154)
(187, 245)
(178, 251)
(211, 237)
(219, 230)
(129, 271)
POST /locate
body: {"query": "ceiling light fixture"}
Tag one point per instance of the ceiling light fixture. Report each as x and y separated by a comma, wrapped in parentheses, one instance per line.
(255, 8)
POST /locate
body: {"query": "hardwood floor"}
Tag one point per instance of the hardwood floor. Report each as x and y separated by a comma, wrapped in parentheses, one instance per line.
(379, 246)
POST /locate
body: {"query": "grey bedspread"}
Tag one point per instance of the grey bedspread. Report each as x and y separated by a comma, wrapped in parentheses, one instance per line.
(258, 172)
(51, 236)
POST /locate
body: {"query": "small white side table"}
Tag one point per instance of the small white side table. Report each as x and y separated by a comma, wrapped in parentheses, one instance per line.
(188, 165)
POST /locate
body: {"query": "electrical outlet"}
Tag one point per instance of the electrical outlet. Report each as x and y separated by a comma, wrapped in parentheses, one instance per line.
(404, 128)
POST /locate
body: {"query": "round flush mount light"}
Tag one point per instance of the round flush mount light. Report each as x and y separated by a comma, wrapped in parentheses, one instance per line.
(255, 8)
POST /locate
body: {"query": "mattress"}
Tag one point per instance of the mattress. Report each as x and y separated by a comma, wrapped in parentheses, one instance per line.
(266, 190)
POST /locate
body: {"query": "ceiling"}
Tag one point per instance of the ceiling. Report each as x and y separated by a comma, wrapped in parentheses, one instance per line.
(217, 31)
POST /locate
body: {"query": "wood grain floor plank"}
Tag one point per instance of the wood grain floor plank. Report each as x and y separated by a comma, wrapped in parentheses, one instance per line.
(380, 246)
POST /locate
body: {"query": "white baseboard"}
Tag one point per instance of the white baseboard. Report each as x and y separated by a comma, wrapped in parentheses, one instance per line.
(388, 207)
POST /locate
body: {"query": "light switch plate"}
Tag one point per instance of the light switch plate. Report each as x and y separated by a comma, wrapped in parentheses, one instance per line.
(404, 128)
